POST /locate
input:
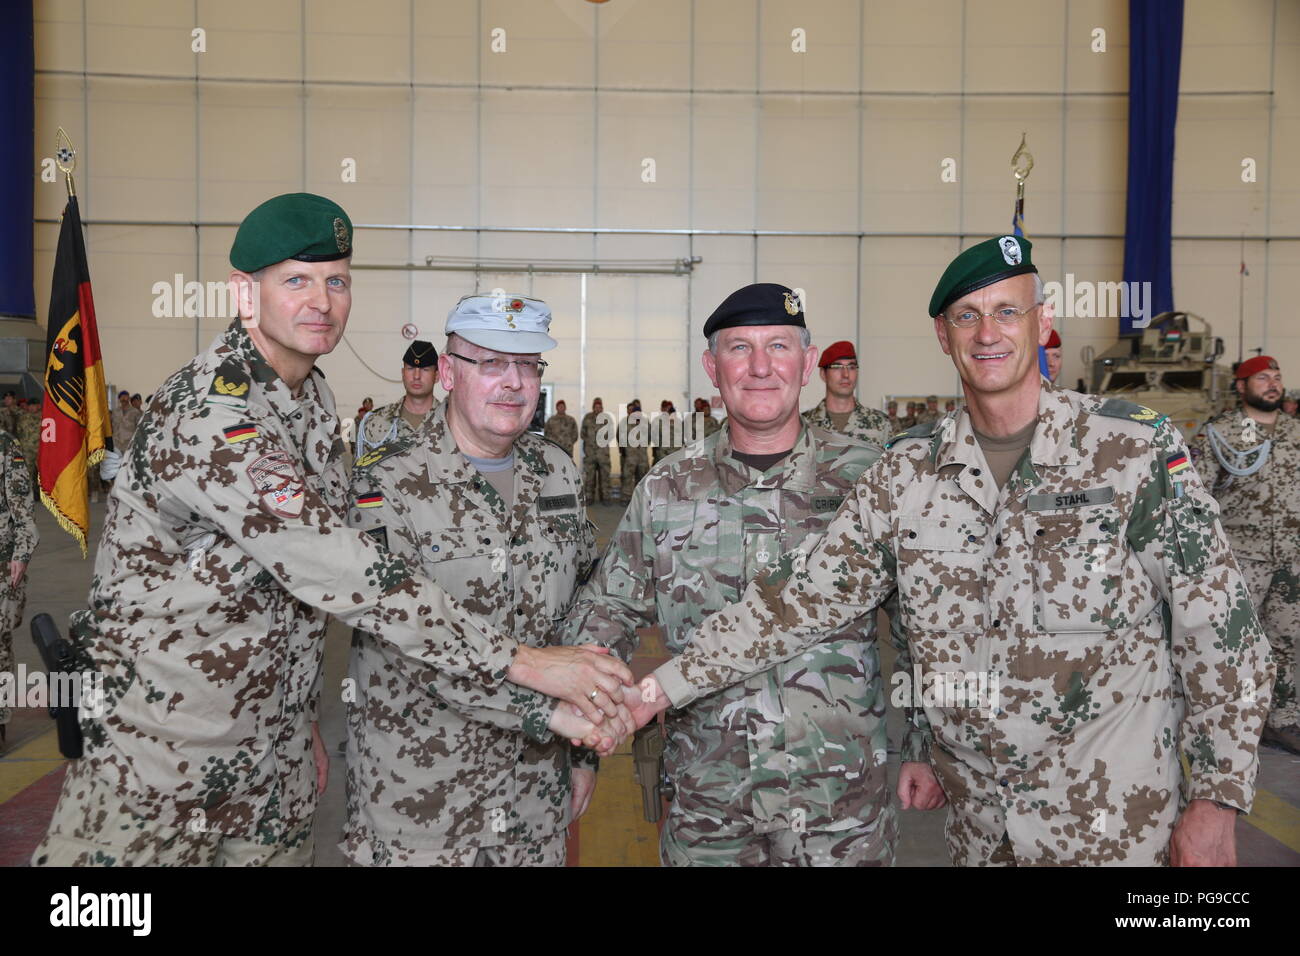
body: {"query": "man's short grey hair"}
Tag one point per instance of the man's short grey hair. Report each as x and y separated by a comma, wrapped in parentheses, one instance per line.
(1038, 289)
(805, 339)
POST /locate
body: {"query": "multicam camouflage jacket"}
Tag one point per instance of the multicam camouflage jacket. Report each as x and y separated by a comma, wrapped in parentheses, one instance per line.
(1096, 590)
(865, 424)
(225, 549)
(804, 743)
(563, 430)
(384, 425)
(1261, 512)
(18, 534)
(427, 772)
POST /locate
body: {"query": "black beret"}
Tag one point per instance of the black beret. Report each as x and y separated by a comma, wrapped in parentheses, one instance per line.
(421, 354)
(763, 303)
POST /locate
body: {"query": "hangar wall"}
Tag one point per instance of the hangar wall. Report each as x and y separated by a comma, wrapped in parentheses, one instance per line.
(845, 141)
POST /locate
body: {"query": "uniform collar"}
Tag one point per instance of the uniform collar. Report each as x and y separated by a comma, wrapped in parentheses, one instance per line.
(446, 463)
(797, 472)
(235, 343)
(1055, 441)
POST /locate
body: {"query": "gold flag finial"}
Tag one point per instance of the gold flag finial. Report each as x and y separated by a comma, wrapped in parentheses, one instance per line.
(1022, 162)
(65, 157)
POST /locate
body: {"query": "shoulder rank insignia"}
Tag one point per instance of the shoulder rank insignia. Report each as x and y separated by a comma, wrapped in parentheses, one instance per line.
(923, 430)
(380, 453)
(229, 386)
(1119, 408)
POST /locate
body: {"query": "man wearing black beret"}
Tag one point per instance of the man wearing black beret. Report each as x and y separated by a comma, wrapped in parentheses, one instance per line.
(789, 768)
(400, 420)
(225, 551)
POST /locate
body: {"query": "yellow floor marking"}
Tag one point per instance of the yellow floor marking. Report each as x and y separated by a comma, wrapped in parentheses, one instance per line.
(23, 767)
(1276, 817)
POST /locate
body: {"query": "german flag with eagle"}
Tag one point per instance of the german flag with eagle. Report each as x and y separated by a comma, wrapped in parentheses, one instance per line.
(75, 426)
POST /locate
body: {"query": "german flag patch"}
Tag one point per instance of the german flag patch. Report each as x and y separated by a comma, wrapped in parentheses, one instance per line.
(372, 500)
(241, 432)
(1177, 463)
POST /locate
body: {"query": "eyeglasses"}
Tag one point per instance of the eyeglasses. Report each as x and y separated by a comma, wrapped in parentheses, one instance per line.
(496, 367)
(969, 318)
(843, 367)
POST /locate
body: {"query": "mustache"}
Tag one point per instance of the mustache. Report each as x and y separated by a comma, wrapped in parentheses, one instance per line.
(505, 400)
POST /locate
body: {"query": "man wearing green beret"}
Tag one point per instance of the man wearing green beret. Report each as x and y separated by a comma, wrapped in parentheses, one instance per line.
(1077, 619)
(787, 768)
(225, 550)
(400, 420)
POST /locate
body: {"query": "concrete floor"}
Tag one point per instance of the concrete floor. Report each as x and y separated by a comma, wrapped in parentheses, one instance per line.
(612, 833)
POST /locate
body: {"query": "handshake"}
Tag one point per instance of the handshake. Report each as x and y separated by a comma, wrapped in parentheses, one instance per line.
(599, 704)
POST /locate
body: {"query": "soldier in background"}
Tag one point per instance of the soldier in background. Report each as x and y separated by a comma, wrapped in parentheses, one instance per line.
(1053, 352)
(788, 768)
(9, 414)
(499, 793)
(400, 420)
(667, 431)
(1290, 403)
(562, 428)
(597, 427)
(634, 456)
(840, 411)
(1060, 549)
(891, 413)
(908, 420)
(18, 540)
(1249, 458)
(29, 440)
(124, 419)
(711, 424)
(225, 551)
(929, 413)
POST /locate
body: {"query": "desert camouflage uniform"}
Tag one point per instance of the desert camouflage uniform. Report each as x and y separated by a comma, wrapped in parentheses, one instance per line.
(384, 425)
(18, 540)
(225, 550)
(563, 430)
(124, 425)
(29, 438)
(1261, 513)
(865, 424)
(788, 765)
(430, 780)
(1096, 587)
(634, 457)
(9, 419)
(595, 457)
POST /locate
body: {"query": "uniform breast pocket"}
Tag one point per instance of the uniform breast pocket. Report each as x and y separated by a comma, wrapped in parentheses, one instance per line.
(1078, 569)
(466, 563)
(941, 574)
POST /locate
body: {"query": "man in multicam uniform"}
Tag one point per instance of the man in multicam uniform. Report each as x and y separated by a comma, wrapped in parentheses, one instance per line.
(597, 427)
(562, 428)
(1094, 593)
(29, 439)
(494, 516)
(704, 413)
(225, 550)
(1249, 458)
(668, 430)
(840, 411)
(400, 420)
(789, 767)
(18, 540)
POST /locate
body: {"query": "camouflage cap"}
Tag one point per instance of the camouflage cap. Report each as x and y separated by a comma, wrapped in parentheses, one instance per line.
(299, 226)
(982, 264)
(502, 323)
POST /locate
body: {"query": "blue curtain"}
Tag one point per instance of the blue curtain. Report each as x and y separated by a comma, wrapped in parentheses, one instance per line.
(17, 176)
(1155, 54)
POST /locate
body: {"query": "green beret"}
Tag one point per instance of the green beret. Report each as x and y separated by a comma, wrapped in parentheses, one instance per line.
(763, 303)
(293, 226)
(982, 264)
